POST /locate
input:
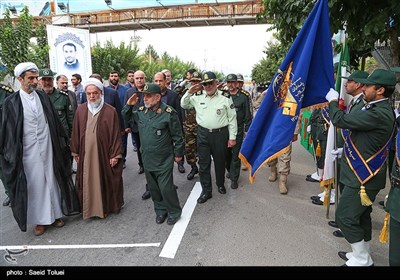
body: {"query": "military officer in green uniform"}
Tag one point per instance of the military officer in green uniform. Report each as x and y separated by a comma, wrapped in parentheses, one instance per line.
(243, 119)
(4, 92)
(393, 200)
(161, 143)
(367, 135)
(59, 99)
(217, 129)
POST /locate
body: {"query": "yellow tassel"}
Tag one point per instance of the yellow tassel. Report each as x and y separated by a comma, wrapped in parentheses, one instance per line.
(365, 201)
(383, 237)
(318, 150)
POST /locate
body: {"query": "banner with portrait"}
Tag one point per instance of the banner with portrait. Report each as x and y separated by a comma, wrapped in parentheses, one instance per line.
(69, 51)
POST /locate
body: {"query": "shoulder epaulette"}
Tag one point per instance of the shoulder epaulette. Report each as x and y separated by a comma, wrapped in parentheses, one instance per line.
(245, 92)
(63, 92)
(168, 109)
(141, 108)
(226, 94)
(6, 88)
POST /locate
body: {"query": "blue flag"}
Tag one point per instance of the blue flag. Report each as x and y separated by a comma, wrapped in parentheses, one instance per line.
(302, 80)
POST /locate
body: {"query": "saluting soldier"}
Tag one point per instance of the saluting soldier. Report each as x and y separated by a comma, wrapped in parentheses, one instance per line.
(243, 117)
(217, 130)
(161, 143)
(367, 136)
(59, 99)
(4, 92)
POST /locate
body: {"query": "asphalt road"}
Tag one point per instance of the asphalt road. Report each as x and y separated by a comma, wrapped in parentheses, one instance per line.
(253, 225)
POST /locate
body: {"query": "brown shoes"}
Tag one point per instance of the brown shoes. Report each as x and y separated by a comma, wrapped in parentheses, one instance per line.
(39, 230)
(58, 223)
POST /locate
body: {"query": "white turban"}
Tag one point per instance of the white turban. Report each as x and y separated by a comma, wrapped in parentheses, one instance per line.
(23, 67)
(94, 82)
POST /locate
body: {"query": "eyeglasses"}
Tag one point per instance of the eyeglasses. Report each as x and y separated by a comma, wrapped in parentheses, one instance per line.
(207, 83)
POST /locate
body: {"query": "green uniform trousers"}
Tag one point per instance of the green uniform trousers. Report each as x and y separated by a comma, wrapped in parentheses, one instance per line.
(163, 192)
(353, 219)
(212, 143)
(233, 162)
(394, 242)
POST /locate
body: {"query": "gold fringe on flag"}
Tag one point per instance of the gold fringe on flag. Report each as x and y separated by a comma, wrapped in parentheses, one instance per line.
(327, 199)
(383, 236)
(365, 201)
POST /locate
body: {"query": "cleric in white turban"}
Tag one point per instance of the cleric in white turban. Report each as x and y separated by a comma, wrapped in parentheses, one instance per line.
(94, 103)
(24, 67)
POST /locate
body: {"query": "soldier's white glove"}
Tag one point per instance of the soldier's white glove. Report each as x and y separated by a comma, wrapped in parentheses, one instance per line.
(336, 153)
(396, 112)
(332, 95)
(308, 128)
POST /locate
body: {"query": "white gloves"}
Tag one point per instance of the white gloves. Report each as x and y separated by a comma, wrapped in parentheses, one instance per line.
(332, 95)
(336, 153)
(308, 128)
(396, 112)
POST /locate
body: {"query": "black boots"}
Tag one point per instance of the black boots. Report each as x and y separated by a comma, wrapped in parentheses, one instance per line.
(193, 172)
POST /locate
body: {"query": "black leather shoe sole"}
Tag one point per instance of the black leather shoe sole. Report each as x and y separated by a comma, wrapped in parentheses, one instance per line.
(222, 190)
(146, 195)
(234, 185)
(338, 233)
(191, 174)
(333, 224)
(319, 202)
(6, 201)
(181, 169)
(310, 179)
(203, 198)
(315, 197)
(342, 255)
(160, 219)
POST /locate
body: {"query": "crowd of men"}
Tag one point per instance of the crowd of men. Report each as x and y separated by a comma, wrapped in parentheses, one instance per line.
(44, 128)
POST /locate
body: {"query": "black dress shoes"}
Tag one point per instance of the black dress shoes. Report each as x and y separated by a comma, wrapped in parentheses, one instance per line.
(222, 190)
(381, 203)
(342, 255)
(311, 179)
(141, 170)
(181, 168)
(146, 195)
(315, 197)
(234, 185)
(204, 197)
(319, 202)
(228, 175)
(6, 201)
(338, 233)
(333, 224)
(171, 221)
(192, 172)
(161, 218)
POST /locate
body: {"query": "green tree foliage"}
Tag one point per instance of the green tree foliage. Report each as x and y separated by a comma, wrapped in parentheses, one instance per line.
(15, 40)
(367, 22)
(119, 58)
(40, 51)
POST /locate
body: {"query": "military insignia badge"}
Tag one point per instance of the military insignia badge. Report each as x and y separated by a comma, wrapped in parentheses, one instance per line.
(141, 108)
(158, 132)
(232, 106)
(158, 110)
(146, 87)
(205, 77)
(218, 112)
(169, 110)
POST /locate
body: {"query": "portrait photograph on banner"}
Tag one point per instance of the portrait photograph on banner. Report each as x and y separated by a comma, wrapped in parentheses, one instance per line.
(69, 51)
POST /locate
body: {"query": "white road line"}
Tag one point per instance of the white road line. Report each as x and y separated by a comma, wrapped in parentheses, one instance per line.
(83, 246)
(175, 237)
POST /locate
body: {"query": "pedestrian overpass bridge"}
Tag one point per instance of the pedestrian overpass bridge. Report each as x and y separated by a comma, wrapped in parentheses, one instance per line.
(188, 15)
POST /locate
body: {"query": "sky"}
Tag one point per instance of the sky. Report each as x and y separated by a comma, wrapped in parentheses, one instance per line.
(227, 49)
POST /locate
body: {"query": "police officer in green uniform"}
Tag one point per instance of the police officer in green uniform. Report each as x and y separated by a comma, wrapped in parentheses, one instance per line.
(4, 92)
(367, 134)
(59, 99)
(243, 119)
(161, 143)
(217, 129)
(393, 200)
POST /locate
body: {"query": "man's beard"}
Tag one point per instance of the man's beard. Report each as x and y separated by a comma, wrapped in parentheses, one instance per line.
(150, 105)
(95, 104)
(114, 82)
(32, 87)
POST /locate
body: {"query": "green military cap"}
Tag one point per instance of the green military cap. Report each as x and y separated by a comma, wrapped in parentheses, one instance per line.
(395, 69)
(379, 77)
(240, 77)
(357, 74)
(209, 77)
(46, 73)
(231, 78)
(151, 88)
(196, 76)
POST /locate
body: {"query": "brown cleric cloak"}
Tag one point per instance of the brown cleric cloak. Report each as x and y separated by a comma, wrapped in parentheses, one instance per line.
(109, 146)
